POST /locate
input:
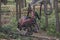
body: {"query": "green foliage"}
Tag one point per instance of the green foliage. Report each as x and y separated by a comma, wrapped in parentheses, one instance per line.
(57, 34)
(10, 2)
(43, 27)
(59, 1)
(51, 30)
(2, 35)
(9, 29)
(28, 1)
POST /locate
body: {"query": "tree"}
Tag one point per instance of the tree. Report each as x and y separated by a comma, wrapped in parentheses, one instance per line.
(20, 8)
(57, 15)
(25, 3)
(22, 3)
(54, 4)
(0, 13)
(45, 11)
(17, 17)
(4, 1)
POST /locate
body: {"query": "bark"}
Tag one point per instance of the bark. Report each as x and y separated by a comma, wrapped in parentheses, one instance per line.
(0, 14)
(20, 8)
(25, 3)
(45, 11)
(34, 8)
(4, 2)
(54, 4)
(57, 16)
(40, 9)
(17, 11)
(22, 3)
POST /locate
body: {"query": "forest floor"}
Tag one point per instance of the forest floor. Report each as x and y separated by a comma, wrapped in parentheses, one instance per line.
(41, 34)
(38, 36)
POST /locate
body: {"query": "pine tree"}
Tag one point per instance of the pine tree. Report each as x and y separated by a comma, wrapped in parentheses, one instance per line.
(57, 15)
(0, 13)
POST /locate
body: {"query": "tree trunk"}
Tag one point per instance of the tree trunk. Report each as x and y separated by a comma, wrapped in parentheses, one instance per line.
(34, 8)
(25, 3)
(54, 4)
(20, 8)
(57, 16)
(0, 14)
(17, 15)
(40, 9)
(45, 11)
(22, 3)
